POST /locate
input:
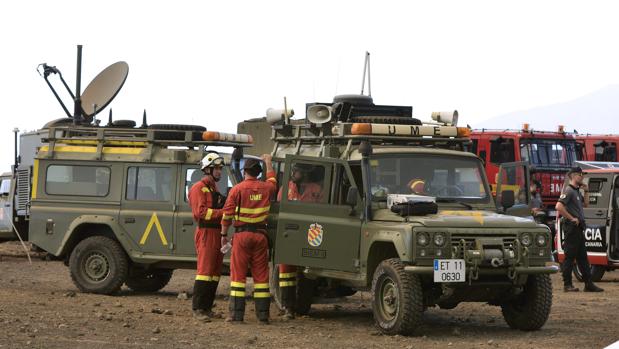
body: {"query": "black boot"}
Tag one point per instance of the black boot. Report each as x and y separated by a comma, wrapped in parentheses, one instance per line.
(200, 291)
(591, 287)
(570, 288)
(211, 291)
(262, 309)
(289, 298)
(199, 300)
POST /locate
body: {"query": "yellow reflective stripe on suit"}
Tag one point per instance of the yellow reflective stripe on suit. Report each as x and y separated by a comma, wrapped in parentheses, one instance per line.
(207, 278)
(234, 293)
(208, 215)
(287, 283)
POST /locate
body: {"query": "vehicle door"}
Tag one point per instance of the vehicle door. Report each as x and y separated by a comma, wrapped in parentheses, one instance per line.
(185, 225)
(613, 243)
(148, 206)
(6, 205)
(513, 195)
(597, 214)
(320, 229)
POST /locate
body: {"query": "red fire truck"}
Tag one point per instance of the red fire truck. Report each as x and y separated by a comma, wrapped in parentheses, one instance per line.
(550, 155)
(597, 147)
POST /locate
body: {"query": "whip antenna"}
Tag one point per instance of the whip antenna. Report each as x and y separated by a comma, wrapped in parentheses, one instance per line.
(366, 68)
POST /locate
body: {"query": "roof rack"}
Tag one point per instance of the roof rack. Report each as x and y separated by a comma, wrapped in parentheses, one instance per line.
(348, 134)
(147, 139)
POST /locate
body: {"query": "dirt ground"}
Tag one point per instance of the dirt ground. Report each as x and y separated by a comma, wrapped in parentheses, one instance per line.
(41, 308)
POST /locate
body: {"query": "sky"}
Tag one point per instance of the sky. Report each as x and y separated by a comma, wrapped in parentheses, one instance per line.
(218, 63)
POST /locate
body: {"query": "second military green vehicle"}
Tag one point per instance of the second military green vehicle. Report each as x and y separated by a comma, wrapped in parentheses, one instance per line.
(402, 211)
(111, 199)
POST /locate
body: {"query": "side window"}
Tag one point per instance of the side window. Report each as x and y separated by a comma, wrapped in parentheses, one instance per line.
(149, 183)
(502, 150)
(5, 187)
(483, 155)
(77, 180)
(474, 146)
(193, 175)
(307, 183)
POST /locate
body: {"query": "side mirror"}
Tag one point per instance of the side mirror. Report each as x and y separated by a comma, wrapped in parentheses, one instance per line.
(351, 196)
(507, 199)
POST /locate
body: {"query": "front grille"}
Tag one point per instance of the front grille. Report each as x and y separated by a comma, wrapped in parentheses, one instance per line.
(23, 191)
(470, 238)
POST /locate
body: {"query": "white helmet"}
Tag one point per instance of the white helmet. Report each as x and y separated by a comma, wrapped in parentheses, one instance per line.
(212, 159)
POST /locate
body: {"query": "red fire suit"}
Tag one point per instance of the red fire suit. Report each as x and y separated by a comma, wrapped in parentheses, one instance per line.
(207, 212)
(310, 192)
(247, 208)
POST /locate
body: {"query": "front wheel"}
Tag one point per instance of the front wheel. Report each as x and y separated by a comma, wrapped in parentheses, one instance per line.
(397, 298)
(98, 264)
(140, 280)
(529, 311)
(597, 273)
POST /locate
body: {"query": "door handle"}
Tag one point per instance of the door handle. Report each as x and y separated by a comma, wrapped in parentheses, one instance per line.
(187, 222)
(599, 213)
(129, 220)
(291, 226)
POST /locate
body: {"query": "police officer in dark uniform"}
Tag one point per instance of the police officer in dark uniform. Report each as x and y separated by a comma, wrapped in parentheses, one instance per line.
(570, 206)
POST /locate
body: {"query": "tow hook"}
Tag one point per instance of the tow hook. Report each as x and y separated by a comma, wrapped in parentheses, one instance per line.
(496, 262)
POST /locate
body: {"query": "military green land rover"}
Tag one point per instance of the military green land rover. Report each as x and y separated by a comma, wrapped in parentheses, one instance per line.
(112, 201)
(403, 211)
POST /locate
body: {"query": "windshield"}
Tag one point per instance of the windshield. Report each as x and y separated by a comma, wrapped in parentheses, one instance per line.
(444, 177)
(548, 152)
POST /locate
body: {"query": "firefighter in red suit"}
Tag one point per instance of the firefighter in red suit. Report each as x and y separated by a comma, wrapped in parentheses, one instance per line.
(206, 205)
(247, 209)
(299, 189)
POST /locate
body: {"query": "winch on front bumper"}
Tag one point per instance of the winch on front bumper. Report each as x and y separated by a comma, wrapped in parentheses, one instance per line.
(511, 255)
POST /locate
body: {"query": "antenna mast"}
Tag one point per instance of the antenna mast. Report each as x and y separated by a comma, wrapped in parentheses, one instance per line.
(366, 68)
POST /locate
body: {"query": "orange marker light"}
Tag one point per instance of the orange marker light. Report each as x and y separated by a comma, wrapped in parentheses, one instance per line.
(361, 129)
(464, 132)
(210, 136)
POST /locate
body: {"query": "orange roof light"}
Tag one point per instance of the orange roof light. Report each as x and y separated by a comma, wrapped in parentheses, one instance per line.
(561, 129)
(210, 136)
(361, 129)
(525, 127)
(464, 132)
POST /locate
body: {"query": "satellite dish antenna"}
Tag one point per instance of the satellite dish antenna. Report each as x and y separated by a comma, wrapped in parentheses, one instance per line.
(103, 88)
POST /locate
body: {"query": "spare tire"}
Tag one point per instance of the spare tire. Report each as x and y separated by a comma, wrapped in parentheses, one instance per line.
(354, 99)
(123, 123)
(58, 122)
(173, 134)
(398, 120)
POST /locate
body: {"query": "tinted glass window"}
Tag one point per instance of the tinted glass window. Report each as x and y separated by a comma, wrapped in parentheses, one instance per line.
(502, 150)
(149, 183)
(77, 180)
(5, 187)
(307, 183)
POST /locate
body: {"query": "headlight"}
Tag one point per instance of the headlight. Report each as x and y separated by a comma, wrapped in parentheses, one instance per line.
(422, 239)
(540, 240)
(439, 239)
(526, 239)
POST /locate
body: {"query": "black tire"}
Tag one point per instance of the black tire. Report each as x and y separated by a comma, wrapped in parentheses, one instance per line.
(58, 122)
(123, 123)
(530, 310)
(173, 135)
(597, 273)
(397, 120)
(98, 264)
(354, 99)
(140, 280)
(397, 298)
(274, 286)
(306, 292)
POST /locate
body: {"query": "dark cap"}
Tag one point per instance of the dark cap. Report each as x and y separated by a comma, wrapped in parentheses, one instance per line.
(575, 169)
(252, 164)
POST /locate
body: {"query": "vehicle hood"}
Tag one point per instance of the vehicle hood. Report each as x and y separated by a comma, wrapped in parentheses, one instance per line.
(461, 218)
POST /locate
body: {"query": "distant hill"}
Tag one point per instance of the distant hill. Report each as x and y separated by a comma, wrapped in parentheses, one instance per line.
(597, 112)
